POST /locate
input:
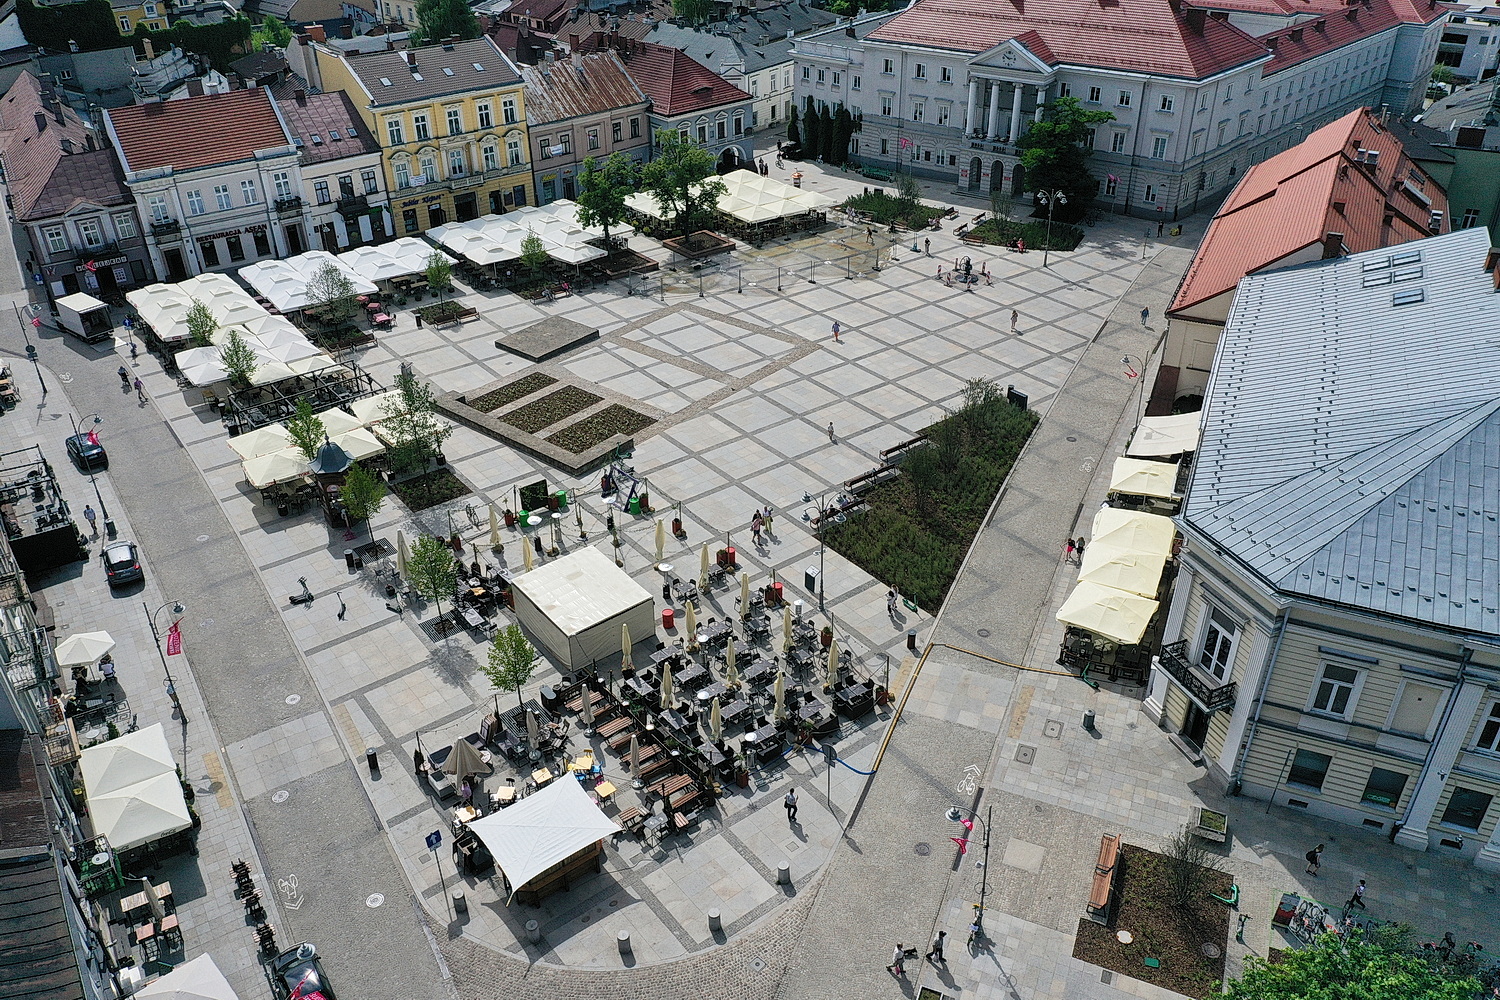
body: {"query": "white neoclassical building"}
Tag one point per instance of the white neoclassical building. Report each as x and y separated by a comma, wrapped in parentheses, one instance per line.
(1198, 93)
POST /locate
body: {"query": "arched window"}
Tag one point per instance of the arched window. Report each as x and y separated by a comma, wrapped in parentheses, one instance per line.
(401, 170)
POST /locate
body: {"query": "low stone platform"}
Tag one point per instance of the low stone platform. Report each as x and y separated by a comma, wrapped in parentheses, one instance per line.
(547, 338)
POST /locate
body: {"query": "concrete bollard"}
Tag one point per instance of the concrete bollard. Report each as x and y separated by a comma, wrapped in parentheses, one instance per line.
(783, 874)
(533, 931)
(460, 904)
(623, 938)
(1088, 721)
(715, 922)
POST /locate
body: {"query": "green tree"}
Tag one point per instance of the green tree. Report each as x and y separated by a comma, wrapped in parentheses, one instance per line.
(271, 31)
(1351, 967)
(89, 23)
(1441, 74)
(1055, 157)
(363, 495)
(825, 133)
(412, 425)
(843, 131)
(1001, 202)
(811, 141)
(793, 130)
(533, 251)
(602, 191)
(201, 324)
(908, 189)
(432, 570)
(511, 662)
(238, 358)
(330, 289)
(439, 273)
(220, 43)
(306, 429)
(438, 20)
(681, 177)
(693, 12)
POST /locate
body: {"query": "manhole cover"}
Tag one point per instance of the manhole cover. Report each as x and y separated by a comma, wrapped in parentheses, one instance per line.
(585, 919)
(1052, 729)
(1106, 977)
(292, 699)
(281, 796)
(984, 633)
(1210, 950)
(1124, 937)
(1072, 438)
(922, 849)
(614, 902)
(374, 899)
(1025, 754)
(202, 538)
(757, 965)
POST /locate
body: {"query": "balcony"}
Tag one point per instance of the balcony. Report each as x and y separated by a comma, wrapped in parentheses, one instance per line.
(353, 204)
(1173, 659)
(289, 206)
(166, 228)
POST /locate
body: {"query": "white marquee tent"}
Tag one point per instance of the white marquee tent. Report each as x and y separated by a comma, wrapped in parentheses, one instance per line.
(1161, 436)
(134, 794)
(198, 979)
(164, 307)
(384, 261)
(492, 239)
(748, 197)
(284, 282)
(576, 604)
(544, 829)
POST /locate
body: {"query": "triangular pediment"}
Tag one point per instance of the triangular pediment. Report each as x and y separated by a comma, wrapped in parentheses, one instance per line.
(1014, 59)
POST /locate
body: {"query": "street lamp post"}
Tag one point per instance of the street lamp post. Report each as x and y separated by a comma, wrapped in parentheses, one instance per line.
(109, 524)
(1051, 199)
(823, 511)
(177, 609)
(956, 815)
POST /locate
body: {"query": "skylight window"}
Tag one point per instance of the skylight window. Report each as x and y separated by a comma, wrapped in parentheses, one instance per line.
(447, 71)
(353, 133)
(1375, 280)
(417, 77)
(317, 139)
(478, 68)
(1409, 297)
(1406, 257)
(384, 82)
(1407, 274)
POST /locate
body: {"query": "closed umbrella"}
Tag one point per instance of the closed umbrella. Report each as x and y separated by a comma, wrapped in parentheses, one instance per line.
(153, 900)
(84, 647)
(661, 538)
(625, 646)
(744, 595)
(635, 761)
(666, 687)
(780, 695)
(786, 624)
(831, 670)
(715, 723)
(731, 675)
(465, 761)
(525, 556)
(494, 528)
(703, 568)
(588, 708)
(691, 618)
(532, 731)
(401, 554)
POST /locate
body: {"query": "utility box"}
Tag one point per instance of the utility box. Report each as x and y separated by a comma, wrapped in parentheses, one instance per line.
(810, 579)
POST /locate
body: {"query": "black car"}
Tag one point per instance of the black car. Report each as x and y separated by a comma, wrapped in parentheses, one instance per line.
(122, 563)
(298, 973)
(87, 455)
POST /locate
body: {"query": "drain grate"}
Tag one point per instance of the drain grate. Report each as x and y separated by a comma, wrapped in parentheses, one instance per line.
(922, 849)
(1025, 754)
(757, 965)
(984, 633)
(1106, 977)
(1052, 729)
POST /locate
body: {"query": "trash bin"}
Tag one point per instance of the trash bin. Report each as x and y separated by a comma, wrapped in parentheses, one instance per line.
(729, 559)
(372, 761)
(562, 499)
(634, 506)
(911, 639)
(810, 580)
(349, 558)
(550, 699)
(779, 595)
(667, 615)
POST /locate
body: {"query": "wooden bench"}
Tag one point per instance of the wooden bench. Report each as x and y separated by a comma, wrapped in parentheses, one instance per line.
(1104, 876)
(655, 767)
(672, 785)
(632, 820)
(621, 740)
(687, 798)
(614, 727)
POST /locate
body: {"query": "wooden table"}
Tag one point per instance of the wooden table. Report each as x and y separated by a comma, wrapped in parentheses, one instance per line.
(464, 815)
(541, 776)
(583, 762)
(595, 697)
(138, 902)
(614, 726)
(604, 790)
(502, 797)
(672, 785)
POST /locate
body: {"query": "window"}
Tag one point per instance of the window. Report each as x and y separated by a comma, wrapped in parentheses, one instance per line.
(429, 168)
(918, 110)
(616, 131)
(806, 73)
(1384, 788)
(822, 75)
(513, 150)
(1124, 100)
(885, 147)
(1088, 138)
(209, 251)
(57, 239)
(455, 121)
(1217, 655)
(236, 248)
(739, 125)
(1168, 103)
(1094, 95)
(124, 225)
(221, 196)
(124, 25)
(409, 220)
(195, 203)
(158, 205)
(320, 192)
(394, 133)
(1159, 147)
(942, 116)
(1117, 142)
(1309, 769)
(370, 181)
(1489, 730)
(1111, 185)
(635, 128)
(920, 73)
(90, 233)
(1335, 694)
(456, 165)
(283, 183)
(420, 130)
(721, 129)
(566, 142)
(1466, 808)
(508, 110)
(486, 115)
(837, 77)
(262, 243)
(885, 105)
(402, 171)
(945, 75)
(545, 143)
(888, 67)
(492, 156)
(248, 192)
(1064, 90)
(854, 82)
(1470, 219)
(703, 133)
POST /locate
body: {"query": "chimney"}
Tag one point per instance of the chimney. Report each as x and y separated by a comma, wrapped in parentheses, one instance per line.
(789, 32)
(41, 122)
(573, 41)
(317, 32)
(88, 141)
(849, 31)
(300, 95)
(57, 112)
(1195, 18)
(150, 49)
(1333, 245)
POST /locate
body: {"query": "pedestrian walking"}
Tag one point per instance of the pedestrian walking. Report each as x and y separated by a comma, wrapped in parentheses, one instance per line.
(836, 329)
(831, 439)
(1071, 549)
(1358, 898)
(927, 246)
(132, 350)
(1314, 860)
(937, 948)
(124, 376)
(790, 802)
(1160, 226)
(1145, 314)
(140, 390)
(766, 517)
(1078, 545)
(898, 961)
(890, 602)
(1015, 316)
(89, 515)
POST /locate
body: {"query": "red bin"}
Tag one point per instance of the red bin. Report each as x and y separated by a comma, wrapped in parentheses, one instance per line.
(729, 557)
(779, 595)
(667, 616)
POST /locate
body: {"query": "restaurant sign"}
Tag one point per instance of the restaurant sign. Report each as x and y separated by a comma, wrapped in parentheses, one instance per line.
(257, 228)
(95, 264)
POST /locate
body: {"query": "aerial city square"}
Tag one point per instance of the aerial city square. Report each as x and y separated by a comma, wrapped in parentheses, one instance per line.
(777, 500)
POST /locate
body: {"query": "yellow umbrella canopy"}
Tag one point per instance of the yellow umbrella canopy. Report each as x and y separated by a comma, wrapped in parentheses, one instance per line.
(1113, 614)
(525, 556)
(666, 687)
(261, 441)
(1110, 566)
(1144, 479)
(625, 646)
(703, 567)
(1133, 531)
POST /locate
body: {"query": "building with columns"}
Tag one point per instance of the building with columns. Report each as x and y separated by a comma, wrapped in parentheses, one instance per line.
(1333, 640)
(946, 87)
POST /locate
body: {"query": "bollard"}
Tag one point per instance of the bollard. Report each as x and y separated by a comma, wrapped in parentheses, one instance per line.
(349, 558)
(460, 904)
(623, 939)
(715, 922)
(783, 874)
(533, 931)
(1088, 721)
(911, 639)
(373, 762)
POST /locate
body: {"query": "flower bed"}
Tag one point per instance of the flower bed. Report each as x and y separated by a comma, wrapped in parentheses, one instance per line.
(590, 431)
(446, 312)
(885, 208)
(1004, 232)
(550, 409)
(429, 489)
(511, 391)
(1160, 929)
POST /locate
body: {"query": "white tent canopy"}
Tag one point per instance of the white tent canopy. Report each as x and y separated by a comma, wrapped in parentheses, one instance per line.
(492, 239)
(198, 979)
(1132, 531)
(164, 307)
(748, 197)
(396, 259)
(1160, 436)
(284, 282)
(576, 604)
(544, 829)
(134, 794)
(1113, 614)
(1144, 479)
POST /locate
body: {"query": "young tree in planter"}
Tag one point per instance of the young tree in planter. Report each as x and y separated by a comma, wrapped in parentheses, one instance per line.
(1055, 157)
(331, 290)
(306, 429)
(412, 423)
(533, 252)
(431, 570)
(238, 359)
(201, 324)
(1001, 203)
(439, 273)
(682, 179)
(601, 198)
(511, 662)
(363, 496)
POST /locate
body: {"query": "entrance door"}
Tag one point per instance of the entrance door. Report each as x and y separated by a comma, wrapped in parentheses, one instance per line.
(176, 269)
(294, 244)
(997, 175)
(466, 207)
(436, 216)
(1195, 726)
(975, 168)
(1017, 181)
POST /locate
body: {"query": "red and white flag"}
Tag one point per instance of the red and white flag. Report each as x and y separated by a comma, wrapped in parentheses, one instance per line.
(174, 640)
(94, 438)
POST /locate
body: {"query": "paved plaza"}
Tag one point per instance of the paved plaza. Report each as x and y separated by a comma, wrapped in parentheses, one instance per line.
(284, 700)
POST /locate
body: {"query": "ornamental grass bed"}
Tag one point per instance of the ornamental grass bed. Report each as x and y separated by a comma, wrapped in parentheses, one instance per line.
(550, 409)
(512, 391)
(586, 433)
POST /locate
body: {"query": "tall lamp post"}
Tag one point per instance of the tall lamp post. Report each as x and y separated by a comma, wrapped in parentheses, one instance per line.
(1051, 199)
(109, 524)
(177, 609)
(824, 510)
(956, 815)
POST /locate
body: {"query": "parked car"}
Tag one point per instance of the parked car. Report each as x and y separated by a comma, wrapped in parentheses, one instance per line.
(88, 454)
(298, 973)
(122, 563)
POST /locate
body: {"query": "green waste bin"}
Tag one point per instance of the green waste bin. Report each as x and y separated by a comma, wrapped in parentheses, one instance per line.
(562, 499)
(635, 505)
(522, 517)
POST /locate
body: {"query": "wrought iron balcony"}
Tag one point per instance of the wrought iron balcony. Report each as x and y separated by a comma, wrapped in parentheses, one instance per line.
(353, 204)
(1173, 659)
(291, 205)
(166, 227)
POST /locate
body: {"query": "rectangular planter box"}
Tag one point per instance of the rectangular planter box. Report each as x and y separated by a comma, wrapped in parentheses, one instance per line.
(1210, 825)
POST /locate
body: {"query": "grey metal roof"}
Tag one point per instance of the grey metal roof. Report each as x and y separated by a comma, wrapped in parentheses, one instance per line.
(440, 71)
(1351, 446)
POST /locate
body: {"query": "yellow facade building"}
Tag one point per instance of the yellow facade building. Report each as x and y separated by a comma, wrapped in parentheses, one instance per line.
(451, 121)
(131, 14)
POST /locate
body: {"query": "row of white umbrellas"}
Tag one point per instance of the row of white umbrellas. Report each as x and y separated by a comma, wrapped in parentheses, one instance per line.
(285, 282)
(493, 239)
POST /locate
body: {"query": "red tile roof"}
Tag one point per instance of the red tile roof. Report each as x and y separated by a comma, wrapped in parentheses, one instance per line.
(1345, 24)
(676, 83)
(32, 155)
(197, 131)
(1291, 201)
(1141, 36)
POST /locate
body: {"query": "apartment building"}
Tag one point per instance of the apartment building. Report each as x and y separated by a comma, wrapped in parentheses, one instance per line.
(582, 107)
(342, 196)
(690, 98)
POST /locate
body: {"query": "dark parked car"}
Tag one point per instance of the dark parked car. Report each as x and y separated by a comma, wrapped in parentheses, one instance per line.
(298, 973)
(122, 563)
(86, 454)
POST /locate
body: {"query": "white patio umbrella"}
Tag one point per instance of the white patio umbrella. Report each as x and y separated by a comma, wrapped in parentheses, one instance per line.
(731, 675)
(703, 568)
(360, 443)
(715, 723)
(532, 730)
(291, 350)
(401, 554)
(198, 979)
(780, 695)
(588, 708)
(661, 538)
(625, 661)
(831, 668)
(261, 441)
(525, 556)
(744, 595)
(83, 647)
(666, 687)
(494, 528)
(786, 624)
(267, 470)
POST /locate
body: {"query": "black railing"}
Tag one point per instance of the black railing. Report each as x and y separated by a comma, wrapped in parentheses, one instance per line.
(1173, 658)
(353, 204)
(95, 252)
(289, 206)
(166, 227)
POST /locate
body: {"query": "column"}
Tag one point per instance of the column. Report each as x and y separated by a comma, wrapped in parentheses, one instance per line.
(1450, 741)
(1015, 111)
(1489, 857)
(970, 125)
(1041, 99)
(994, 129)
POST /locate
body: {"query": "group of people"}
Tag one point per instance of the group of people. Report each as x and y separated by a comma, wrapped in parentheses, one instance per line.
(1075, 549)
(760, 524)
